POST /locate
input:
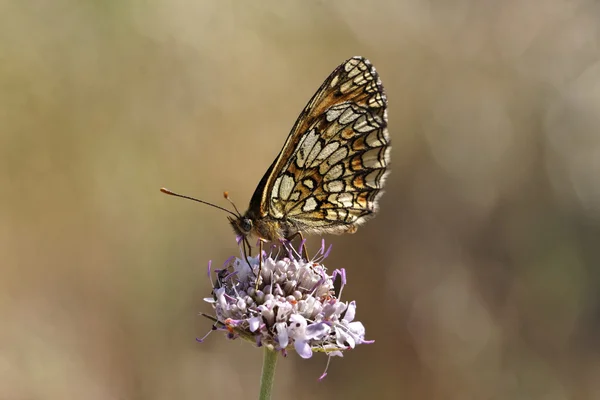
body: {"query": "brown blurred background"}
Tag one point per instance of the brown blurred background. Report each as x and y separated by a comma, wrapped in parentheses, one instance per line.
(478, 280)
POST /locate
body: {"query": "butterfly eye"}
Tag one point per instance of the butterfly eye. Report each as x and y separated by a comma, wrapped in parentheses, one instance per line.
(246, 224)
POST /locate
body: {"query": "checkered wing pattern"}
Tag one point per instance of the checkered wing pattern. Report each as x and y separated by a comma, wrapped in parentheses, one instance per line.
(329, 175)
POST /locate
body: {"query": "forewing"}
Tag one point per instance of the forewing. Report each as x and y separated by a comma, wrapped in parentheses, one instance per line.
(332, 167)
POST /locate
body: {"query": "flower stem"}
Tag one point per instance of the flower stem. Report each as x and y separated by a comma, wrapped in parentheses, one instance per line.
(268, 374)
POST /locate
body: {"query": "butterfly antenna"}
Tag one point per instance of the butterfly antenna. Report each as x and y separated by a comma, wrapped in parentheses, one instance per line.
(226, 195)
(167, 191)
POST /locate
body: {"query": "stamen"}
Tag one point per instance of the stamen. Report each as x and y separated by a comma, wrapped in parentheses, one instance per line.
(316, 286)
(326, 368)
(209, 274)
(230, 275)
(290, 249)
(342, 273)
(301, 246)
(203, 338)
(228, 260)
(327, 252)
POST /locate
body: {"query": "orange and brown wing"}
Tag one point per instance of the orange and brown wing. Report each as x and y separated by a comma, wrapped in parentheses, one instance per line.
(329, 174)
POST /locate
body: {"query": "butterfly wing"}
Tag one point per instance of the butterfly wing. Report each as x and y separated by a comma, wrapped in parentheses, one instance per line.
(329, 175)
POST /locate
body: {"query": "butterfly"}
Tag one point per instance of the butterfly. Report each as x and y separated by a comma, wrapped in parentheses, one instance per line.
(328, 177)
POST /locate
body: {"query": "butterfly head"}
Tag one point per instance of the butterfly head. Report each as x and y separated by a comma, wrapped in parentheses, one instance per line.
(242, 225)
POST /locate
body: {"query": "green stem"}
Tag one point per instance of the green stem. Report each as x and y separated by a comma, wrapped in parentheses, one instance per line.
(268, 374)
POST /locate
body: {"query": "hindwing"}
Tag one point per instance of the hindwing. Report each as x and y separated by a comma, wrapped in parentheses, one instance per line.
(332, 167)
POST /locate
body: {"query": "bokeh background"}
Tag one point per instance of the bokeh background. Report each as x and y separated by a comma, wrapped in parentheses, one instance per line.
(479, 279)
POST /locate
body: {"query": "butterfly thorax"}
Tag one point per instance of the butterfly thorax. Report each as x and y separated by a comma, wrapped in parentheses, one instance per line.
(264, 227)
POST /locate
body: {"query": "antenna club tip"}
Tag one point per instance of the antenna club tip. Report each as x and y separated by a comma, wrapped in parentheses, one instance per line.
(165, 190)
(226, 194)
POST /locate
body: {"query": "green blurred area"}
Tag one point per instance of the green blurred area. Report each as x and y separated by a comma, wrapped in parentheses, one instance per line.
(478, 280)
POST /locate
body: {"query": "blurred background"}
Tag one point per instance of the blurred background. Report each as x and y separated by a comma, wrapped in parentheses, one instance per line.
(478, 280)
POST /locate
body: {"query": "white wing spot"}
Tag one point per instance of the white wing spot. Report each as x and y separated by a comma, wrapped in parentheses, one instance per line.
(313, 153)
(333, 199)
(333, 159)
(309, 183)
(346, 86)
(353, 62)
(353, 72)
(376, 101)
(331, 215)
(345, 199)
(334, 81)
(333, 113)
(309, 205)
(275, 190)
(304, 147)
(373, 139)
(370, 159)
(361, 80)
(326, 152)
(334, 186)
(372, 179)
(364, 124)
(334, 173)
(285, 189)
(348, 116)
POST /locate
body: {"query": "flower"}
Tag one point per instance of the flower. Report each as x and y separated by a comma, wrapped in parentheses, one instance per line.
(294, 305)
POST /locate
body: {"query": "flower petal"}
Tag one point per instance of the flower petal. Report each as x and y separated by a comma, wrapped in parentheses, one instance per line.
(318, 330)
(350, 312)
(357, 328)
(303, 349)
(282, 334)
(254, 323)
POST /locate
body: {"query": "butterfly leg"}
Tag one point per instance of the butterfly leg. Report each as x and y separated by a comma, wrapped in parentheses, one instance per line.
(304, 251)
(247, 243)
(260, 261)
(247, 255)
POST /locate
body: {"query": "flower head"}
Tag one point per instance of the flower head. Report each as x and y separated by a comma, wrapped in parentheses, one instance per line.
(294, 305)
